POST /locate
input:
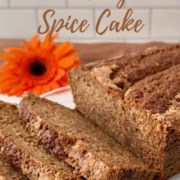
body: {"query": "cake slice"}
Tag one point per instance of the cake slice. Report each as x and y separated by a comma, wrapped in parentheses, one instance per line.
(7, 172)
(82, 145)
(24, 152)
(136, 100)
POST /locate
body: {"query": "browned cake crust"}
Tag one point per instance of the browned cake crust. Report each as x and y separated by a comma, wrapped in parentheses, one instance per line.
(24, 152)
(84, 146)
(7, 172)
(136, 99)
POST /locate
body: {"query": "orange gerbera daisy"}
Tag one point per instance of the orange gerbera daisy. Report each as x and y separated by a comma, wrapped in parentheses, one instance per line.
(38, 67)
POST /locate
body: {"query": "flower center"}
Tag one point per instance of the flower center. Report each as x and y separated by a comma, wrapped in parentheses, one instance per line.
(37, 68)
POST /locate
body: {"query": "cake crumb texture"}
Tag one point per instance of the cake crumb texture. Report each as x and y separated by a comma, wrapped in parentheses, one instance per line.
(24, 153)
(135, 99)
(7, 172)
(84, 146)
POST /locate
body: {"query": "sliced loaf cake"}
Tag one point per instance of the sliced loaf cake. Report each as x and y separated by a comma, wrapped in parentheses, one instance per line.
(24, 153)
(82, 145)
(7, 172)
(136, 99)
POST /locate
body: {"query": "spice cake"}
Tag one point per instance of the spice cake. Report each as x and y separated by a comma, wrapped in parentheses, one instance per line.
(7, 172)
(24, 153)
(80, 143)
(136, 99)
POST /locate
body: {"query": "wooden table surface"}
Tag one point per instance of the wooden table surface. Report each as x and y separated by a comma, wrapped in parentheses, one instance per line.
(94, 51)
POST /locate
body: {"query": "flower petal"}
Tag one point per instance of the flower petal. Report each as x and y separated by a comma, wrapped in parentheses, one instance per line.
(63, 49)
(37, 90)
(54, 85)
(33, 44)
(48, 43)
(59, 75)
(66, 62)
(17, 90)
(7, 85)
(63, 83)
(5, 57)
(16, 52)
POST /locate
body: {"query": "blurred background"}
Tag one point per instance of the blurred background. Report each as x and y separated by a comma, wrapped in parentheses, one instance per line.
(20, 18)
